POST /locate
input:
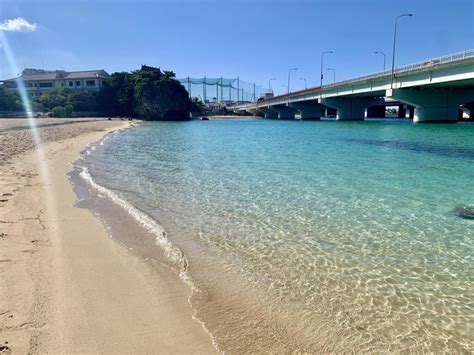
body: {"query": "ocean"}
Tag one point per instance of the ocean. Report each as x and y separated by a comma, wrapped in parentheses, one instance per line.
(300, 236)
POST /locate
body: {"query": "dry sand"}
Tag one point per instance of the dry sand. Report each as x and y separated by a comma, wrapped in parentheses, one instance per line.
(65, 285)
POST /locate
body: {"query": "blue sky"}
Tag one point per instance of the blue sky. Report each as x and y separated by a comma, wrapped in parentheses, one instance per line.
(256, 40)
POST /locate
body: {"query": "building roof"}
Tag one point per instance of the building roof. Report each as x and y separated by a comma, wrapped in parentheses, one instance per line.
(87, 74)
(41, 75)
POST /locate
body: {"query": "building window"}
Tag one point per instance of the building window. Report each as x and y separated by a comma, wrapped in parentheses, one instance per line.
(36, 84)
(30, 85)
(71, 83)
(90, 82)
(46, 85)
(78, 83)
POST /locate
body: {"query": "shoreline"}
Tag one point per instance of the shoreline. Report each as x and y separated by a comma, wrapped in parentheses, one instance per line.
(69, 287)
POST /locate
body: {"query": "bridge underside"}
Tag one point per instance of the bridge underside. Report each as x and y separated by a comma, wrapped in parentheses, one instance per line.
(351, 108)
(435, 105)
(309, 110)
(281, 112)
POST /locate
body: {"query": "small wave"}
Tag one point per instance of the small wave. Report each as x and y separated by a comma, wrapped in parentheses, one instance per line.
(172, 252)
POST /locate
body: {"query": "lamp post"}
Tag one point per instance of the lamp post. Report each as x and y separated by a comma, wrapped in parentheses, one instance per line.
(305, 83)
(270, 85)
(289, 72)
(394, 42)
(333, 74)
(322, 64)
(384, 58)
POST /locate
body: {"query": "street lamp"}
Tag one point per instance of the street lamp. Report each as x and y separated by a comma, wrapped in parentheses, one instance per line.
(384, 58)
(305, 83)
(394, 42)
(333, 73)
(289, 72)
(322, 61)
(270, 85)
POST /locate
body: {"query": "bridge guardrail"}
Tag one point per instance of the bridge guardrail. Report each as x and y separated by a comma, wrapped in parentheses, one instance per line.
(410, 67)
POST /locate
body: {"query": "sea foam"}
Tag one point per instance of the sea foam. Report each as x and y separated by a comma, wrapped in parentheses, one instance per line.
(171, 251)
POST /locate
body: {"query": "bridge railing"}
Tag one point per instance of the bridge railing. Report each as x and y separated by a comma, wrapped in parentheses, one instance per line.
(455, 57)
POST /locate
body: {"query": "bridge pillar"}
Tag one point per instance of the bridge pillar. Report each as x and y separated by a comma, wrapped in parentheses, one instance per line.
(268, 112)
(284, 112)
(433, 105)
(351, 108)
(310, 110)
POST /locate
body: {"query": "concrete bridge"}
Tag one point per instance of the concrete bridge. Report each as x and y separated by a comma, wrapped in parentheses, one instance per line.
(435, 90)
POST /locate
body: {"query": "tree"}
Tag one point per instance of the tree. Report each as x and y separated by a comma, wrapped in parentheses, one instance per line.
(10, 100)
(62, 111)
(63, 102)
(158, 96)
(53, 98)
(116, 96)
(83, 101)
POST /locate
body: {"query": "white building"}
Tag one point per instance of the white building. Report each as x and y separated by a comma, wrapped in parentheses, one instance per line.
(37, 81)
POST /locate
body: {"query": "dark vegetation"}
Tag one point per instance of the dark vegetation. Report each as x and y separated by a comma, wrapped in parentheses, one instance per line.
(10, 100)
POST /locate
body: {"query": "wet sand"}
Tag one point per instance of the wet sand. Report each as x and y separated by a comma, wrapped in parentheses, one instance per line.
(65, 285)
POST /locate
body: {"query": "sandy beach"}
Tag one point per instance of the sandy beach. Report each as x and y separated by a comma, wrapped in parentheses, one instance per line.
(65, 285)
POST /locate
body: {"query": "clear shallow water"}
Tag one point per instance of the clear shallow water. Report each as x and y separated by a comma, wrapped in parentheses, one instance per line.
(311, 236)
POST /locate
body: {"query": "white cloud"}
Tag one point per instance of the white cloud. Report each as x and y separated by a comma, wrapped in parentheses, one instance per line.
(18, 24)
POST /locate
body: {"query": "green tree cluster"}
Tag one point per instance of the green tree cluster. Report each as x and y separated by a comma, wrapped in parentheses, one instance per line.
(57, 102)
(63, 102)
(10, 100)
(148, 93)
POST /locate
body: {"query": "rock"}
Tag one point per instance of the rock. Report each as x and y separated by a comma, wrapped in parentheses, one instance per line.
(463, 211)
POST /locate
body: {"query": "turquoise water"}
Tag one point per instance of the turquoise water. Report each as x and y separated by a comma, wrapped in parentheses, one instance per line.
(311, 236)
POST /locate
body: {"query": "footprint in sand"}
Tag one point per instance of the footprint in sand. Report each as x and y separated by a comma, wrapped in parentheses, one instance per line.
(3, 202)
(7, 194)
(4, 348)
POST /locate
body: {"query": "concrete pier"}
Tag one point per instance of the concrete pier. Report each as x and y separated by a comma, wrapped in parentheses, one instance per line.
(269, 112)
(351, 108)
(436, 105)
(310, 110)
(284, 112)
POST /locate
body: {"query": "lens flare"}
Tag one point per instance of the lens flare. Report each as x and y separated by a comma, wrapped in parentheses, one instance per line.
(40, 154)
